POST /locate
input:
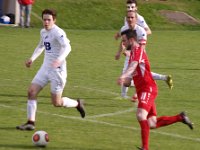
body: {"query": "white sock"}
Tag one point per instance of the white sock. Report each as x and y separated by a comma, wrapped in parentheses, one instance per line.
(67, 102)
(124, 91)
(157, 76)
(31, 109)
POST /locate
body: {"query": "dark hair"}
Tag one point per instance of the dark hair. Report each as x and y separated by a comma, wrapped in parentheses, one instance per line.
(49, 12)
(125, 32)
(131, 2)
(130, 33)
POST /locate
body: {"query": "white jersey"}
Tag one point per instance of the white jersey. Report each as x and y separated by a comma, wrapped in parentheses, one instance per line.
(140, 21)
(141, 33)
(56, 45)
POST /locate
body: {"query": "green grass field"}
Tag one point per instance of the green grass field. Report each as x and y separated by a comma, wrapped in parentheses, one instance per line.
(110, 123)
(109, 14)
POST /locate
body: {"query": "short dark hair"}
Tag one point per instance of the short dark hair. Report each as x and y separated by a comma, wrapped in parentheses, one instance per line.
(130, 33)
(124, 32)
(131, 2)
(50, 12)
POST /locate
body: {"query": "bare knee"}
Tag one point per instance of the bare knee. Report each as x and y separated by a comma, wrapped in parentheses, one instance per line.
(152, 122)
(140, 116)
(32, 94)
(33, 91)
(56, 99)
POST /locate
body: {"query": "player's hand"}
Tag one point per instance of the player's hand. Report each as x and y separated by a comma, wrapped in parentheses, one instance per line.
(124, 81)
(126, 53)
(117, 56)
(120, 81)
(117, 36)
(28, 63)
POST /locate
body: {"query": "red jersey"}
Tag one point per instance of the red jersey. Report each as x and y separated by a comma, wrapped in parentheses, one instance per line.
(142, 77)
(26, 2)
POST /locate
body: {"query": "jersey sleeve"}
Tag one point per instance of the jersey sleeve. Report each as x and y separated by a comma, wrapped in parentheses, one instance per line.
(39, 49)
(141, 35)
(141, 22)
(65, 45)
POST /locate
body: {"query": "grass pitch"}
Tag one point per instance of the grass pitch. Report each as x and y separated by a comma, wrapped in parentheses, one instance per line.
(110, 123)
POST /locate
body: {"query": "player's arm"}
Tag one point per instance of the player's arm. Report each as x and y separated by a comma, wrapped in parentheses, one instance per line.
(146, 28)
(120, 51)
(64, 51)
(148, 31)
(128, 73)
(144, 25)
(38, 50)
(130, 70)
(142, 38)
(117, 35)
(121, 46)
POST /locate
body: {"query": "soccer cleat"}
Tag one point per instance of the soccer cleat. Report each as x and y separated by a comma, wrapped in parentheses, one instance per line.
(125, 97)
(186, 120)
(27, 126)
(140, 148)
(80, 108)
(169, 81)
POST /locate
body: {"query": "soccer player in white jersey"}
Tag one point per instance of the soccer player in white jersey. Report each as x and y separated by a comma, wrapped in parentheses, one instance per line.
(56, 47)
(132, 6)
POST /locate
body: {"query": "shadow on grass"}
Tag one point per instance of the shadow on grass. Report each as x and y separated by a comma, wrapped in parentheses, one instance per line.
(27, 147)
(16, 146)
(192, 69)
(7, 128)
(18, 96)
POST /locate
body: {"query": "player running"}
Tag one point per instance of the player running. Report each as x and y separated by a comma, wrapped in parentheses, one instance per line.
(131, 23)
(57, 47)
(146, 88)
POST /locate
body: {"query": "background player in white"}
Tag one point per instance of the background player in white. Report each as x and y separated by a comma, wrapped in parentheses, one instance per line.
(57, 47)
(132, 6)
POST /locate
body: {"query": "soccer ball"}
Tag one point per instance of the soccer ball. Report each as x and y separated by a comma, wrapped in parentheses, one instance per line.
(40, 138)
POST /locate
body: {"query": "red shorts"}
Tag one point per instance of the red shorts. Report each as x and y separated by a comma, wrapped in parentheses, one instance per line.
(147, 102)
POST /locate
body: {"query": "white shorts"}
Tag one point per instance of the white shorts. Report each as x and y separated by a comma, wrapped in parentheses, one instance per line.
(56, 77)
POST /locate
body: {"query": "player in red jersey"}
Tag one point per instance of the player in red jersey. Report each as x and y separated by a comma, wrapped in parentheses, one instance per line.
(146, 88)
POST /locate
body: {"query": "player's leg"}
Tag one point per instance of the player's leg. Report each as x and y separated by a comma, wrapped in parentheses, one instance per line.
(33, 91)
(59, 101)
(124, 89)
(144, 126)
(40, 80)
(166, 78)
(168, 120)
(145, 101)
(146, 108)
(22, 9)
(28, 15)
(58, 80)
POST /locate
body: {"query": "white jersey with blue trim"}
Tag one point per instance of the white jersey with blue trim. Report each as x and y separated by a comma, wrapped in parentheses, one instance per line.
(56, 46)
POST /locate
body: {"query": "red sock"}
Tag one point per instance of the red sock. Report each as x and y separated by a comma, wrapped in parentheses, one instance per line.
(167, 120)
(144, 134)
